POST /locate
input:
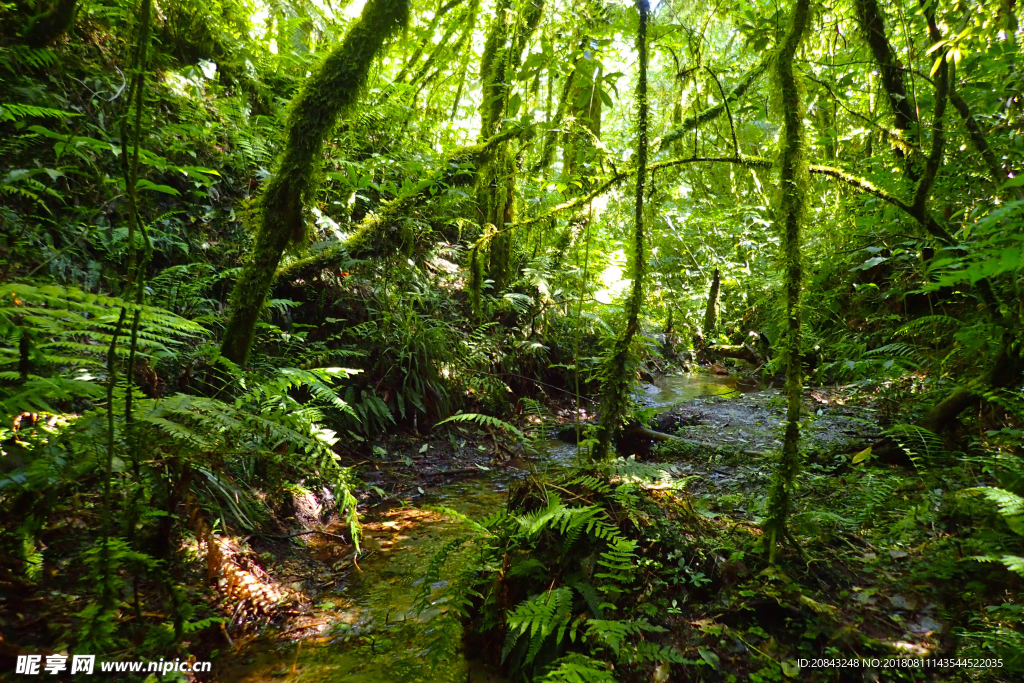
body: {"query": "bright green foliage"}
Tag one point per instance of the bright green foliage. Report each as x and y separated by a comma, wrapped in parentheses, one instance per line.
(484, 215)
(576, 574)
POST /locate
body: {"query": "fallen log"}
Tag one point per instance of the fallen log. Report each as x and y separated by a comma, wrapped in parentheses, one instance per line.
(637, 431)
(739, 351)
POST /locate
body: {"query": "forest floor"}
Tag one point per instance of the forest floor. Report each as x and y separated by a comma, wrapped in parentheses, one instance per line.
(861, 588)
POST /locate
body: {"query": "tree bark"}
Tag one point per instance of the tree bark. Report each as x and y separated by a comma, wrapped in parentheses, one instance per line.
(507, 37)
(711, 312)
(872, 26)
(45, 29)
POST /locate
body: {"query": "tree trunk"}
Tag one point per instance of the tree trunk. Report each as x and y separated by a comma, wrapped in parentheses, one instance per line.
(330, 91)
(618, 369)
(711, 314)
(872, 26)
(507, 37)
(46, 28)
(793, 174)
(1004, 372)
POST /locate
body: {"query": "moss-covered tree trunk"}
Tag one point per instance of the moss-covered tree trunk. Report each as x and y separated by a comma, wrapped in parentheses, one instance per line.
(618, 370)
(508, 36)
(793, 174)
(284, 206)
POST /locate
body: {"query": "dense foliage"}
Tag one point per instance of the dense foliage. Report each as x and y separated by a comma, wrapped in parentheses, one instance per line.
(244, 243)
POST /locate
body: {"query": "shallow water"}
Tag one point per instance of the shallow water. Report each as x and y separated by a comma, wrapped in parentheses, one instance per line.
(671, 390)
(366, 628)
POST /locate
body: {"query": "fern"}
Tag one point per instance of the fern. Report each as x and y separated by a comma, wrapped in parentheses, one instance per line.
(1008, 503)
(15, 112)
(1013, 563)
(14, 56)
(619, 562)
(484, 420)
(578, 668)
(930, 325)
(68, 331)
(917, 441)
(613, 633)
(542, 615)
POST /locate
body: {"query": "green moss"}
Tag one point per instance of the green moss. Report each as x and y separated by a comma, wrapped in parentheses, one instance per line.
(712, 113)
(290, 193)
(789, 212)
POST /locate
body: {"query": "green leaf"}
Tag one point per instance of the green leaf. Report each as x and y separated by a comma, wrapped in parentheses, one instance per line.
(514, 104)
(709, 657)
(153, 187)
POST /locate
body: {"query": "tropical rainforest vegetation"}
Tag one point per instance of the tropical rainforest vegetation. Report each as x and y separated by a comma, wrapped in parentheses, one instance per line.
(273, 270)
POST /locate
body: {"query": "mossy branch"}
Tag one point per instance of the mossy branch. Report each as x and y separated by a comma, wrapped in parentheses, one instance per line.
(712, 113)
(857, 182)
(894, 137)
(442, 11)
(284, 206)
(373, 236)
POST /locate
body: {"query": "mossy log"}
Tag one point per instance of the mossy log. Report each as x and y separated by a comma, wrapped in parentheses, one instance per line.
(738, 351)
(284, 207)
(1005, 371)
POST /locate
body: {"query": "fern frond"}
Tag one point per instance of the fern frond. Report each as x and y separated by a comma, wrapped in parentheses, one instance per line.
(1009, 504)
(577, 668)
(542, 615)
(484, 420)
(1012, 562)
(929, 324)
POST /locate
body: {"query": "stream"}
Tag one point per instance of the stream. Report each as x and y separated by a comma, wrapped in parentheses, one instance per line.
(364, 628)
